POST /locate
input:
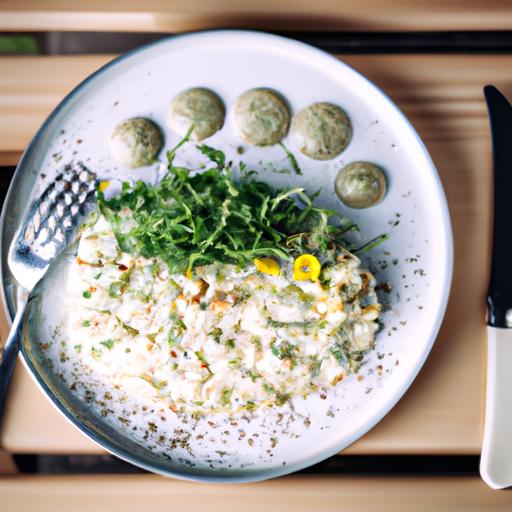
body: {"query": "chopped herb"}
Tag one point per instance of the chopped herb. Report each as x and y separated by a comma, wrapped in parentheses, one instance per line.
(214, 155)
(291, 159)
(130, 330)
(372, 244)
(250, 406)
(256, 342)
(155, 269)
(171, 340)
(230, 343)
(216, 334)
(339, 353)
(282, 398)
(204, 362)
(178, 321)
(225, 396)
(86, 323)
(107, 343)
(284, 350)
(253, 376)
(116, 289)
(314, 365)
(268, 388)
(86, 294)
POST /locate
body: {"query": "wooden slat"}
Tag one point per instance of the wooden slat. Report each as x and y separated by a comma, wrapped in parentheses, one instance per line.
(301, 494)
(442, 96)
(182, 15)
(7, 466)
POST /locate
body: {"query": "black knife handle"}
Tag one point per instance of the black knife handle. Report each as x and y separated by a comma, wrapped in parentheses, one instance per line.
(499, 297)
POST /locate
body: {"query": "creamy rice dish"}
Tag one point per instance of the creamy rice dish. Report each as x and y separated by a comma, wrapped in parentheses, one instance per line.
(225, 338)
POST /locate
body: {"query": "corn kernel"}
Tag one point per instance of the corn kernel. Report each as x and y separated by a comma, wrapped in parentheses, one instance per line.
(306, 267)
(267, 266)
(104, 185)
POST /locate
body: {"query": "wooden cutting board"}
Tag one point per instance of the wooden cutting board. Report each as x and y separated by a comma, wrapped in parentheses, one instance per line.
(442, 96)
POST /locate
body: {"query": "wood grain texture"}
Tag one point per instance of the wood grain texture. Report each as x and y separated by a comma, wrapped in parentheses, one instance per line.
(184, 15)
(7, 466)
(442, 96)
(86, 493)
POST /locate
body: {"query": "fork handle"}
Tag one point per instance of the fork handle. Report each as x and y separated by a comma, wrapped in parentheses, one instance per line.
(10, 353)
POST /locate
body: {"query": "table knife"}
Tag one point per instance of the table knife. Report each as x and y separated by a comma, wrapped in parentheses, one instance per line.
(496, 459)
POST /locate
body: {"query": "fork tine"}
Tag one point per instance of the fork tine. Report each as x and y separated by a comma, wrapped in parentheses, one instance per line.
(45, 207)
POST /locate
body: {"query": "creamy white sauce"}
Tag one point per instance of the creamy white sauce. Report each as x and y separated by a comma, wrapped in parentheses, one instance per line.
(225, 340)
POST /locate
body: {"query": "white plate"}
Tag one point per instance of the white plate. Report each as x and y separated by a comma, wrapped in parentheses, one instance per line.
(416, 261)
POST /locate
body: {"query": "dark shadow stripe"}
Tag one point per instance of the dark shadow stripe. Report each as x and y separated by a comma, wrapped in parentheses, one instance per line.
(472, 42)
(360, 465)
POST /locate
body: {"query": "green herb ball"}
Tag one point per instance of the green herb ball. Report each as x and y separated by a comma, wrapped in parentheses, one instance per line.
(199, 107)
(321, 131)
(261, 117)
(360, 184)
(136, 142)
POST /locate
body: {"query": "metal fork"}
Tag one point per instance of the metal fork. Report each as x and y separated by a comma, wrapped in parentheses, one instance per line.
(47, 229)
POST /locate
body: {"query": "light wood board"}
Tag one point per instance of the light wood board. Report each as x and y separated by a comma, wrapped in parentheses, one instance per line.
(442, 96)
(124, 493)
(185, 15)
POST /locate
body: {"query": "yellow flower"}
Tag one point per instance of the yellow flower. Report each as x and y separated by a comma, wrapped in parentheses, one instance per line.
(305, 267)
(104, 185)
(267, 266)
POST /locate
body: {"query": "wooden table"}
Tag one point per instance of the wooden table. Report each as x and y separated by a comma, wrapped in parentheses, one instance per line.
(442, 413)
(442, 96)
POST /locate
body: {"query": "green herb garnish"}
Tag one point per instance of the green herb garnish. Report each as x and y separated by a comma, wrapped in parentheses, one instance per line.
(180, 325)
(204, 363)
(107, 343)
(129, 329)
(193, 218)
(292, 159)
(216, 334)
(225, 396)
(371, 244)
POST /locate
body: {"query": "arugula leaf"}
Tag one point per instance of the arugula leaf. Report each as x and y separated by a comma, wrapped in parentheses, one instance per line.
(372, 244)
(291, 159)
(196, 218)
(214, 155)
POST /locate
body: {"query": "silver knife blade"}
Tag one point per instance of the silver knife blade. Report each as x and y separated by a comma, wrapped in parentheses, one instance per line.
(499, 298)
